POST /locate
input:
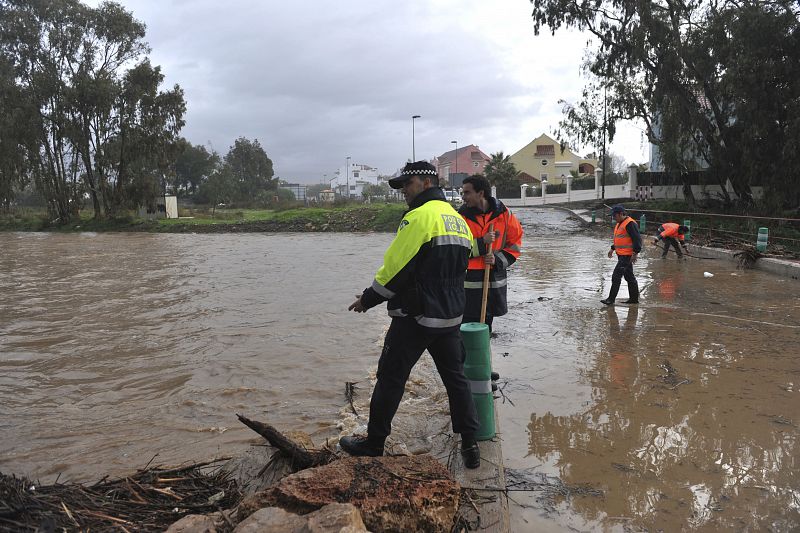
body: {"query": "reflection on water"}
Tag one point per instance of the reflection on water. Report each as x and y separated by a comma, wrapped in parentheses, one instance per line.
(683, 410)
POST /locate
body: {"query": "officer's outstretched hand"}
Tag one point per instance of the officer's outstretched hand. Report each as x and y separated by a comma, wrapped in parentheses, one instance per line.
(357, 306)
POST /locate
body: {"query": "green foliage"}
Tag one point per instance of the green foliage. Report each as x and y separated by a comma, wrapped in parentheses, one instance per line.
(251, 169)
(193, 165)
(502, 173)
(84, 106)
(715, 83)
(377, 191)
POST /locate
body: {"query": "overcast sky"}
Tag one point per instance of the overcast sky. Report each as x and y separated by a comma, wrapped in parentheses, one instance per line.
(316, 82)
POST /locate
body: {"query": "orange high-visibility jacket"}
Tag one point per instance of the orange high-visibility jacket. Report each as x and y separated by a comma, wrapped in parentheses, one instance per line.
(670, 229)
(623, 244)
(506, 249)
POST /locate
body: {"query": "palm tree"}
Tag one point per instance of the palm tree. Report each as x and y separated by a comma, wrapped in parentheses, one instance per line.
(501, 172)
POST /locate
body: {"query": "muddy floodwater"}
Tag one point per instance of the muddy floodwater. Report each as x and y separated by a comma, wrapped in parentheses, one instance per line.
(679, 413)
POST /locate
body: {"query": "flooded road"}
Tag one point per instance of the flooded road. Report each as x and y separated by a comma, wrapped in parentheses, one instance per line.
(681, 413)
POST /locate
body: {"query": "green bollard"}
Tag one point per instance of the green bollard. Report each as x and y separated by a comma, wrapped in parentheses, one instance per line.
(688, 234)
(642, 222)
(763, 237)
(478, 369)
(593, 216)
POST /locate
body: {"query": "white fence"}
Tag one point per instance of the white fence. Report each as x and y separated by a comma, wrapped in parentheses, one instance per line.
(612, 191)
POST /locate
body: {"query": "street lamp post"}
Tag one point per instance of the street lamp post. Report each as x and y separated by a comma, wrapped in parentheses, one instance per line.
(347, 170)
(413, 148)
(456, 156)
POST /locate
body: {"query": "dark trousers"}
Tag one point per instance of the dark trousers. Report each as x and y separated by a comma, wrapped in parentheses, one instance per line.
(670, 241)
(404, 344)
(624, 269)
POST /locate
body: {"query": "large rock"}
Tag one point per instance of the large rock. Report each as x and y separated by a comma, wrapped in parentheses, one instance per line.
(335, 518)
(393, 493)
(272, 519)
(194, 523)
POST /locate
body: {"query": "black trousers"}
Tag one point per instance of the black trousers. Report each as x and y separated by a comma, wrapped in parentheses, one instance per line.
(670, 241)
(624, 269)
(404, 344)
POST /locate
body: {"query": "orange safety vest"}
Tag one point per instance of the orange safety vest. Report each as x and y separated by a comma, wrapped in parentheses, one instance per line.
(623, 244)
(671, 230)
(510, 235)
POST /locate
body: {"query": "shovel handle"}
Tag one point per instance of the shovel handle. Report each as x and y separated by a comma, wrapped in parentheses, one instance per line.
(486, 269)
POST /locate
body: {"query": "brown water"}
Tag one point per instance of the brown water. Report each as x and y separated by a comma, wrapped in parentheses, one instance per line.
(115, 347)
(682, 413)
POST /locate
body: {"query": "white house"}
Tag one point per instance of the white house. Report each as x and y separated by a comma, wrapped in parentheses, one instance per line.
(355, 176)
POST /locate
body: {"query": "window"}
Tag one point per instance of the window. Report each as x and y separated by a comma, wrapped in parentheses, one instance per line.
(475, 164)
(544, 162)
(543, 176)
(352, 187)
(355, 173)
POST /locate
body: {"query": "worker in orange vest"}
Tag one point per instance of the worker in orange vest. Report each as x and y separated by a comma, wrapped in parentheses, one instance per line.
(672, 234)
(482, 211)
(627, 244)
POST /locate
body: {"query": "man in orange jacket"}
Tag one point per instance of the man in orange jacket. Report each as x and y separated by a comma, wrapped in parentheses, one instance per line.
(627, 245)
(672, 234)
(482, 211)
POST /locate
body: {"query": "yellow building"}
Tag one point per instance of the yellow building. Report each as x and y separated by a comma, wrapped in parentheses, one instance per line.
(542, 159)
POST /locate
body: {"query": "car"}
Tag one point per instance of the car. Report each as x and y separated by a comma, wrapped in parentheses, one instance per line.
(453, 196)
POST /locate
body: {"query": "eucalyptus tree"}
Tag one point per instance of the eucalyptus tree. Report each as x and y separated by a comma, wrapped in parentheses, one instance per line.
(193, 165)
(251, 169)
(101, 125)
(716, 82)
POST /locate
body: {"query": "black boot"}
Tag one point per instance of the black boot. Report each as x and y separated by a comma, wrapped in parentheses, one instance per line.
(607, 301)
(362, 446)
(495, 376)
(470, 452)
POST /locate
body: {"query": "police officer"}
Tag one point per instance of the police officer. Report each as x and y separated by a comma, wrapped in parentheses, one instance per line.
(422, 278)
(627, 245)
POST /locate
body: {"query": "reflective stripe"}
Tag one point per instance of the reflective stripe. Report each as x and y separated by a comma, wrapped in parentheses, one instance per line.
(396, 312)
(492, 285)
(380, 289)
(451, 239)
(480, 387)
(438, 322)
(503, 259)
(515, 248)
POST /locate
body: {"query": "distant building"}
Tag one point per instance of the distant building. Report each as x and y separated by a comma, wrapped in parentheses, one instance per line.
(542, 159)
(327, 196)
(351, 176)
(298, 190)
(466, 160)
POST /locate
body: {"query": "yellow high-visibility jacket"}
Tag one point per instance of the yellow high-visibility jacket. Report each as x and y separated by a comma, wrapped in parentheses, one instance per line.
(423, 269)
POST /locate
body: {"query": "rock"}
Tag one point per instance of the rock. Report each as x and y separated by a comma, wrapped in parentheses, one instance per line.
(272, 519)
(194, 523)
(334, 518)
(393, 493)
